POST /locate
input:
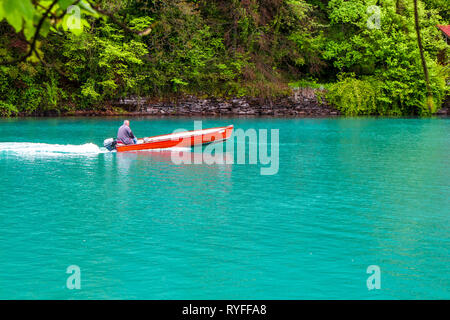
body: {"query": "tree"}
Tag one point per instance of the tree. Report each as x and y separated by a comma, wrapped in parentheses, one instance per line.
(35, 19)
(422, 57)
(385, 59)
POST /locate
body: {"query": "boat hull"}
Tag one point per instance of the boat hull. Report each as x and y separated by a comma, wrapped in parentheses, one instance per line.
(183, 139)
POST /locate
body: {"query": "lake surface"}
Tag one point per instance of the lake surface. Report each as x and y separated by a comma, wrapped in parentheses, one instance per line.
(349, 193)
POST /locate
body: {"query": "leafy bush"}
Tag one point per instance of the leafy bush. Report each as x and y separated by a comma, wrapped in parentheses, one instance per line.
(7, 109)
(386, 60)
(354, 97)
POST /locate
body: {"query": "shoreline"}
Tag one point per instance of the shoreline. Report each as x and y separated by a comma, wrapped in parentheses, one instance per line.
(146, 116)
(302, 103)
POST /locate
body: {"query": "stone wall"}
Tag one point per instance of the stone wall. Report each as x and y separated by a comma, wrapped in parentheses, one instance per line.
(303, 103)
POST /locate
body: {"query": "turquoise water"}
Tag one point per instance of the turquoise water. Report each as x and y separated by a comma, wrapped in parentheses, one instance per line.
(349, 193)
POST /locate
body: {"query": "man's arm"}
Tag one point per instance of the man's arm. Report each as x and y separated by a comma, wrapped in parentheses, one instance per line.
(130, 133)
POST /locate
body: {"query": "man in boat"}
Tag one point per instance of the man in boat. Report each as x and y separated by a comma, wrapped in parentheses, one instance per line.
(125, 135)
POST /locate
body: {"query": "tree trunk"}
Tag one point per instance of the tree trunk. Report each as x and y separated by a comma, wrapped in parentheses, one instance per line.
(422, 57)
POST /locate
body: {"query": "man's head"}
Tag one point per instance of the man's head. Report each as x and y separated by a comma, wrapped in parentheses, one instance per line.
(127, 123)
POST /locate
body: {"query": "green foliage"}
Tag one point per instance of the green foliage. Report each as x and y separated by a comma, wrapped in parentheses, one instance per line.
(107, 64)
(386, 58)
(25, 17)
(354, 97)
(220, 48)
(7, 109)
(398, 93)
(310, 83)
(441, 7)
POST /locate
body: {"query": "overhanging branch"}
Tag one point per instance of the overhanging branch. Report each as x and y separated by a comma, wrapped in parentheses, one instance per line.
(35, 36)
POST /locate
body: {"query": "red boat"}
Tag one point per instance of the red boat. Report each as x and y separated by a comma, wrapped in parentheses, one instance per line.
(180, 139)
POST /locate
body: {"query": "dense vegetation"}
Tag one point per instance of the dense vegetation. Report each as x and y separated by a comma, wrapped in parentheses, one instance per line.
(366, 56)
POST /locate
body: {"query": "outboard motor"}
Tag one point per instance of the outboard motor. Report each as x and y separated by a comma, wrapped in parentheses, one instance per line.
(110, 144)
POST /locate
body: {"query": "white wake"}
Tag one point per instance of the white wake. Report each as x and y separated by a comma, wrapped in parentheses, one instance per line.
(29, 148)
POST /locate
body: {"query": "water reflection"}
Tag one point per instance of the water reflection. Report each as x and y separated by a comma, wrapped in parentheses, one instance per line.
(190, 160)
(151, 180)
